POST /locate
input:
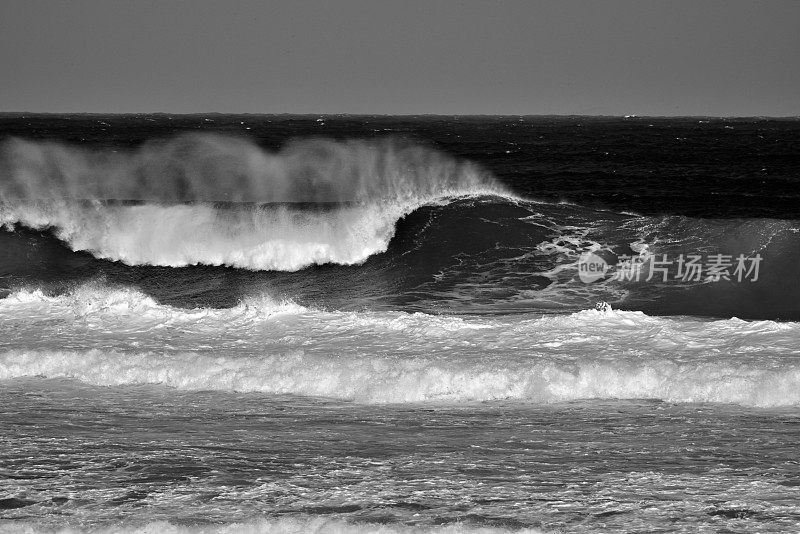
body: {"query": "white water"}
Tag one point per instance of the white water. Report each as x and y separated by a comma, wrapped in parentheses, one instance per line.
(361, 189)
(307, 525)
(274, 238)
(109, 336)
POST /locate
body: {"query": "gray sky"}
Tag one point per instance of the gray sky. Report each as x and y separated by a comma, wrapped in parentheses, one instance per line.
(678, 57)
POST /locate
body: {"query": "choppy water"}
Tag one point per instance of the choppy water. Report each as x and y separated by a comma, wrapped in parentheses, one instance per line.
(330, 324)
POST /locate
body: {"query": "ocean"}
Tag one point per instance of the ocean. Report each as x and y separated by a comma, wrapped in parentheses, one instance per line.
(277, 323)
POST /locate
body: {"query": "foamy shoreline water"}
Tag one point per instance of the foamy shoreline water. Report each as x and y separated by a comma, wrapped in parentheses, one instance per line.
(109, 336)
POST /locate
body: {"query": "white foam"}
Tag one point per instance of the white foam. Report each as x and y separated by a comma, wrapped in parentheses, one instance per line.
(119, 336)
(122, 304)
(257, 238)
(379, 380)
(283, 525)
(367, 187)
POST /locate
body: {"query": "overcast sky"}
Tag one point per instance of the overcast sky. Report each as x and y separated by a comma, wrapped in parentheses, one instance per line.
(595, 57)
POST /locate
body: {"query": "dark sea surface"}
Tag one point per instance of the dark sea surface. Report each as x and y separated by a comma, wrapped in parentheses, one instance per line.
(221, 323)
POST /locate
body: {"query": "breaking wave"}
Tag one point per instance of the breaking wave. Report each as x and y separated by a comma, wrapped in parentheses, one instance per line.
(123, 337)
(426, 232)
(215, 200)
(389, 380)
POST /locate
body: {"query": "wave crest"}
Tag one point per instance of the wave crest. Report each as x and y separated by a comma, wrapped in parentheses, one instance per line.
(267, 346)
(389, 380)
(215, 200)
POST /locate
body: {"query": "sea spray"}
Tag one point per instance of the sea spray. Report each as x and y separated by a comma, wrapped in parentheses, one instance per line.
(216, 200)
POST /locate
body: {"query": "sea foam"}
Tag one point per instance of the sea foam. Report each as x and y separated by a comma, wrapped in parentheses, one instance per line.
(283, 525)
(115, 337)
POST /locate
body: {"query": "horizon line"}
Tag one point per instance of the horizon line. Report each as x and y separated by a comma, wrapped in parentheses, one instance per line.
(290, 114)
